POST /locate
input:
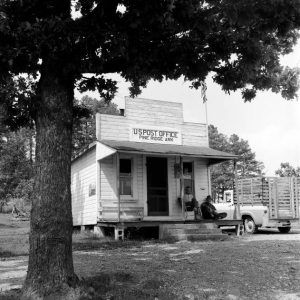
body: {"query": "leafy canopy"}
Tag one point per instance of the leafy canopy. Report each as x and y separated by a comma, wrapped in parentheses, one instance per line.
(239, 41)
(222, 175)
(287, 170)
(15, 165)
(84, 126)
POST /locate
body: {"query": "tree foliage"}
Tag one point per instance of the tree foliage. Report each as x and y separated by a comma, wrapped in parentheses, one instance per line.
(239, 41)
(287, 170)
(84, 127)
(16, 169)
(222, 175)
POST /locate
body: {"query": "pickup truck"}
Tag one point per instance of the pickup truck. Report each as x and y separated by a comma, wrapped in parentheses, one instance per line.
(264, 202)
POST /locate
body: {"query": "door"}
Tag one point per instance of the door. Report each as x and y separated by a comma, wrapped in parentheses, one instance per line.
(225, 205)
(157, 186)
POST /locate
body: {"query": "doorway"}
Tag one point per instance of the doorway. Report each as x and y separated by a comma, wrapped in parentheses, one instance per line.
(157, 186)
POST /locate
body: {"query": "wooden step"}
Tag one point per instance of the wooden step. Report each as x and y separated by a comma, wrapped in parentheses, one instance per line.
(202, 237)
(191, 226)
(175, 231)
(191, 232)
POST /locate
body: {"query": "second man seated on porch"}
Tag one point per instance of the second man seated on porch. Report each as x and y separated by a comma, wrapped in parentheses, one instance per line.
(209, 211)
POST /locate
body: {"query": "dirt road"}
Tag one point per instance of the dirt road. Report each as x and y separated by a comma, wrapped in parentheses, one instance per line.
(262, 266)
(245, 268)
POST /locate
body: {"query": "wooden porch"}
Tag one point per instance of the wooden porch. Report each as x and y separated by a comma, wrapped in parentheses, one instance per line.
(206, 227)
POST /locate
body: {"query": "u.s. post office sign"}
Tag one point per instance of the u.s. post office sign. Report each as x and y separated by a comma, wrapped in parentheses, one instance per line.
(151, 134)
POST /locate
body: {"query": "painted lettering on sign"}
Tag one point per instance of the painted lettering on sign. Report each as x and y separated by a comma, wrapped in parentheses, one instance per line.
(155, 135)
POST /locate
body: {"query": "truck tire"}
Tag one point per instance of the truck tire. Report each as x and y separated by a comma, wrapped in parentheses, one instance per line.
(284, 229)
(249, 225)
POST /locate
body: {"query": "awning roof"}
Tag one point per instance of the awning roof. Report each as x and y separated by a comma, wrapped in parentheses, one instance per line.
(214, 156)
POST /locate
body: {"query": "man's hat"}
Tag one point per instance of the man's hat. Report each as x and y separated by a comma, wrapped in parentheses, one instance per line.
(208, 198)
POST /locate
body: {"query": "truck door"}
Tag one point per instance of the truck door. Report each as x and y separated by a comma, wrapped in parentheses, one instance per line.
(226, 205)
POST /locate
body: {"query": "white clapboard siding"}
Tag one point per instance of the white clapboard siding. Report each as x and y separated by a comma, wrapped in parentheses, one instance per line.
(108, 183)
(174, 189)
(110, 127)
(147, 112)
(140, 179)
(194, 134)
(83, 174)
(158, 112)
(201, 180)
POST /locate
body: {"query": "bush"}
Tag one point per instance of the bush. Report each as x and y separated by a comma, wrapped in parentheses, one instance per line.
(24, 191)
(16, 205)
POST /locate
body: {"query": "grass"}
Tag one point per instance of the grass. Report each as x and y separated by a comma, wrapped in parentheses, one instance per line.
(152, 269)
(13, 236)
(10, 295)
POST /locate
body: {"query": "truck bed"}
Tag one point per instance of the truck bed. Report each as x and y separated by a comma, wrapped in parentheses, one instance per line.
(280, 194)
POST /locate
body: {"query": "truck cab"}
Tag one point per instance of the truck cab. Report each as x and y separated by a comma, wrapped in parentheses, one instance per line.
(265, 202)
(253, 216)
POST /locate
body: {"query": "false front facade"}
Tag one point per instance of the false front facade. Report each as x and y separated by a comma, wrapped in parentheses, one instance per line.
(141, 164)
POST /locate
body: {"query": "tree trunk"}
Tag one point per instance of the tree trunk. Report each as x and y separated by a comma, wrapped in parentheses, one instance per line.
(50, 271)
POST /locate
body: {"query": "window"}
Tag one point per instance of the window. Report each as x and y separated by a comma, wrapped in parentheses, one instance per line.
(188, 176)
(92, 189)
(126, 177)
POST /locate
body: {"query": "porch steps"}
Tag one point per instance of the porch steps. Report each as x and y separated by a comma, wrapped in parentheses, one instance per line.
(192, 232)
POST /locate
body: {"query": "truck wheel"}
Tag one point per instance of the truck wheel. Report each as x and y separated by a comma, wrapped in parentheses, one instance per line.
(250, 226)
(284, 229)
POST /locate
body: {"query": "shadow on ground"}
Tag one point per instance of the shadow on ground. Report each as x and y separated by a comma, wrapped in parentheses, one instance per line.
(122, 285)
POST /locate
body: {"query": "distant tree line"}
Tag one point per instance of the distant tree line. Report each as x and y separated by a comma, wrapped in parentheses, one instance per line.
(286, 170)
(17, 148)
(222, 175)
(16, 165)
(84, 126)
(17, 153)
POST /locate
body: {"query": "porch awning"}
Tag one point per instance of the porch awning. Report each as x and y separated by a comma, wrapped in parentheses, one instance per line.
(214, 156)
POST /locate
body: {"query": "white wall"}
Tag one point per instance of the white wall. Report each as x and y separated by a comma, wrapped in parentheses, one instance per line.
(152, 113)
(108, 198)
(200, 180)
(148, 113)
(83, 174)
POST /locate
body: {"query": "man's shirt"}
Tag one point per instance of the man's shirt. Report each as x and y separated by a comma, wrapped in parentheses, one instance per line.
(208, 210)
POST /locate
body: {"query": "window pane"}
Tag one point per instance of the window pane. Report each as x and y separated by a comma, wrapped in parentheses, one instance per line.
(125, 166)
(187, 168)
(125, 185)
(188, 176)
(92, 189)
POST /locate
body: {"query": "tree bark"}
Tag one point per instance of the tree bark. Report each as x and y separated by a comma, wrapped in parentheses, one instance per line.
(50, 271)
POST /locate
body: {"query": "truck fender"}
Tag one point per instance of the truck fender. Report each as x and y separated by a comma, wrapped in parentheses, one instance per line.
(250, 214)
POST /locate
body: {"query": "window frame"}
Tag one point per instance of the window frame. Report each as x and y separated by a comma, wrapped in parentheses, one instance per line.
(92, 189)
(193, 190)
(131, 176)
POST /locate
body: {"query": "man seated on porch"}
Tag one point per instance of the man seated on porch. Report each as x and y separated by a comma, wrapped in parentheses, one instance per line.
(209, 211)
(190, 202)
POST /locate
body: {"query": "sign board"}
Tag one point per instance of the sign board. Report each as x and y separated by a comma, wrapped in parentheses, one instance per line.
(158, 135)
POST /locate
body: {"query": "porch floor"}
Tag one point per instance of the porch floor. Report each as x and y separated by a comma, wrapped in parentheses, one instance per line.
(148, 223)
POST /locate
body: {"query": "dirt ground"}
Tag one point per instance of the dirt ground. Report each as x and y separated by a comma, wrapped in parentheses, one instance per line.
(262, 266)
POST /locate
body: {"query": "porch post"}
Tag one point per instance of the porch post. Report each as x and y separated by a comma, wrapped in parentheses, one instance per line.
(182, 188)
(118, 184)
(235, 192)
(209, 180)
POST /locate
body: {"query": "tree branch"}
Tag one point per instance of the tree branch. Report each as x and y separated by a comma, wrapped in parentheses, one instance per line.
(98, 66)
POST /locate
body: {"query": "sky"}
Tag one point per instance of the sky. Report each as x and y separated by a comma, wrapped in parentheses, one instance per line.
(269, 123)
